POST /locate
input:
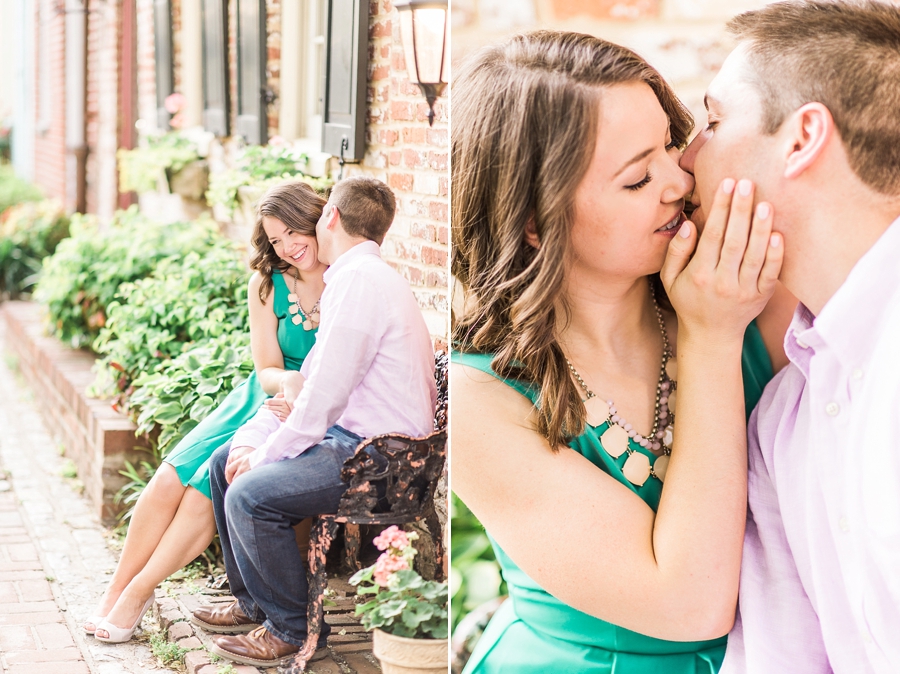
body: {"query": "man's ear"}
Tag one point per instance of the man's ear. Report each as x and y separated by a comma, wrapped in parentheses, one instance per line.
(333, 217)
(810, 129)
(531, 234)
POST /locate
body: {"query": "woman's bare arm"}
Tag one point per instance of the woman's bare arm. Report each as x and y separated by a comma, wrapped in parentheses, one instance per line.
(267, 357)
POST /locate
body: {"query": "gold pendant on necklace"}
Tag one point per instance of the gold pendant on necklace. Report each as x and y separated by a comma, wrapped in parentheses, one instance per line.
(307, 325)
(597, 411)
(672, 369)
(660, 466)
(637, 469)
(615, 440)
(296, 320)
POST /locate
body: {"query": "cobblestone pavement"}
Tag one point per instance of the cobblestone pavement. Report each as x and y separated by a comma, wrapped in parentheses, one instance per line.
(54, 556)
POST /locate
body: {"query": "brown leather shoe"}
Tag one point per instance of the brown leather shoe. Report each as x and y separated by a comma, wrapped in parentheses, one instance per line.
(223, 619)
(260, 648)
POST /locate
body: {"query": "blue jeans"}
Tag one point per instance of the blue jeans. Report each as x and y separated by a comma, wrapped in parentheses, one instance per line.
(254, 517)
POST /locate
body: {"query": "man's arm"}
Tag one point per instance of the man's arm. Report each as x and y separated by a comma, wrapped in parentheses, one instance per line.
(777, 629)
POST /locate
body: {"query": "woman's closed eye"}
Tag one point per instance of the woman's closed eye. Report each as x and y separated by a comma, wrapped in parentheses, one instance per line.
(638, 185)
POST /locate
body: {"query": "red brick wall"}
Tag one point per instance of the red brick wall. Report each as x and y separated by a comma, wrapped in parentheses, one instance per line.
(412, 158)
(50, 145)
(146, 64)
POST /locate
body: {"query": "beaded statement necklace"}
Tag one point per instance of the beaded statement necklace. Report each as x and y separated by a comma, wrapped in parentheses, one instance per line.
(309, 319)
(620, 435)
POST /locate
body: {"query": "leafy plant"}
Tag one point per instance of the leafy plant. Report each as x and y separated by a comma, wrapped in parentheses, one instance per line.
(167, 652)
(474, 572)
(81, 279)
(261, 166)
(404, 604)
(160, 155)
(29, 232)
(14, 190)
(182, 392)
(184, 301)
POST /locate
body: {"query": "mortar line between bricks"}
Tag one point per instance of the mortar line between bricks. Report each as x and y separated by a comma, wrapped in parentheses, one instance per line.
(59, 600)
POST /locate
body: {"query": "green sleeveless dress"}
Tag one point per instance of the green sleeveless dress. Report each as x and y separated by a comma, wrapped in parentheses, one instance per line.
(190, 458)
(533, 632)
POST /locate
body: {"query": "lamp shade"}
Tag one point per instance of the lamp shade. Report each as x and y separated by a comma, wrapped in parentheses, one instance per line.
(425, 32)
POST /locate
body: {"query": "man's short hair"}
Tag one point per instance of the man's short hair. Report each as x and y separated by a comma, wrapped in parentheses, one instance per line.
(366, 206)
(844, 54)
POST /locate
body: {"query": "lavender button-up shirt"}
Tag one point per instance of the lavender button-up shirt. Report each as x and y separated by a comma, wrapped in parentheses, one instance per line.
(820, 577)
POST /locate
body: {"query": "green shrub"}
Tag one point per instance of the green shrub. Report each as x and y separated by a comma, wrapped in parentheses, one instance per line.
(81, 279)
(165, 154)
(474, 573)
(185, 300)
(181, 392)
(261, 166)
(29, 232)
(14, 190)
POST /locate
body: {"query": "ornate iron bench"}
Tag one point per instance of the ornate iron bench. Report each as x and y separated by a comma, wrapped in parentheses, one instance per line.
(397, 488)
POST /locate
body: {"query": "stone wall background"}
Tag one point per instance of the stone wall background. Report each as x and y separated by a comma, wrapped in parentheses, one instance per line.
(684, 39)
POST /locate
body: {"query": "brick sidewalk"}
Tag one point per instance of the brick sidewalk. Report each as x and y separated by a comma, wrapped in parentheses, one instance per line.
(54, 556)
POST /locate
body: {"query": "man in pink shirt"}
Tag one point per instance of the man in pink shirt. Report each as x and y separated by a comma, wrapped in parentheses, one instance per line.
(808, 108)
(370, 372)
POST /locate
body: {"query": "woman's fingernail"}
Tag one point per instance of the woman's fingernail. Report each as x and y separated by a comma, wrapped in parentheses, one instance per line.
(728, 185)
(744, 187)
(685, 230)
(774, 241)
(762, 211)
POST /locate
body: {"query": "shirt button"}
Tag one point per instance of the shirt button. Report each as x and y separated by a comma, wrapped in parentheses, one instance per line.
(844, 524)
(832, 409)
(802, 344)
(857, 374)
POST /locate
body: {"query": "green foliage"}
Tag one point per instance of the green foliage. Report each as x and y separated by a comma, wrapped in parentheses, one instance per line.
(167, 652)
(180, 393)
(141, 168)
(29, 232)
(404, 604)
(474, 573)
(409, 607)
(14, 190)
(261, 166)
(81, 279)
(185, 300)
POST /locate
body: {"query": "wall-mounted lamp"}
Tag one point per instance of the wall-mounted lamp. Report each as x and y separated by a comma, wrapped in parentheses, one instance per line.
(425, 33)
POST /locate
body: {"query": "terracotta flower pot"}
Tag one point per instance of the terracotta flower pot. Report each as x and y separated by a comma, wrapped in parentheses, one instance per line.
(401, 655)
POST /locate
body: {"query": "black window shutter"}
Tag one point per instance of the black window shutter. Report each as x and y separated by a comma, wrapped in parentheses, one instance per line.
(215, 66)
(165, 74)
(347, 58)
(251, 39)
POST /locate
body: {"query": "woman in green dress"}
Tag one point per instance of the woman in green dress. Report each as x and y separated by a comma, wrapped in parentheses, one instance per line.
(173, 519)
(574, 254)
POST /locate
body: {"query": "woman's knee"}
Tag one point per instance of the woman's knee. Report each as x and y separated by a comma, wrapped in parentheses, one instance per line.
(165, 485)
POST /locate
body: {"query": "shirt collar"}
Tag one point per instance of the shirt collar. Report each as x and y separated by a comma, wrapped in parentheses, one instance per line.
(848, 323)
(360, 249)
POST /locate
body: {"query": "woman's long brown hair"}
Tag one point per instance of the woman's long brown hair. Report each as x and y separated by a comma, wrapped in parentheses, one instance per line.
(525, 124)
(299, 207)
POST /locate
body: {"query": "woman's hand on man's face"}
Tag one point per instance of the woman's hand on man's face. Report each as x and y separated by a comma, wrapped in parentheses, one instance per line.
(723, 281)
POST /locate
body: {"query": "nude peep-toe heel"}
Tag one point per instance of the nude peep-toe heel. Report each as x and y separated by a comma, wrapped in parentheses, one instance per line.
(118, 635)
(94, 622)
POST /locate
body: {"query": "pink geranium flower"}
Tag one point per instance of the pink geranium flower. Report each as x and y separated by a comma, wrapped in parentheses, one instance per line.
(387, 565)
(392, 537)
